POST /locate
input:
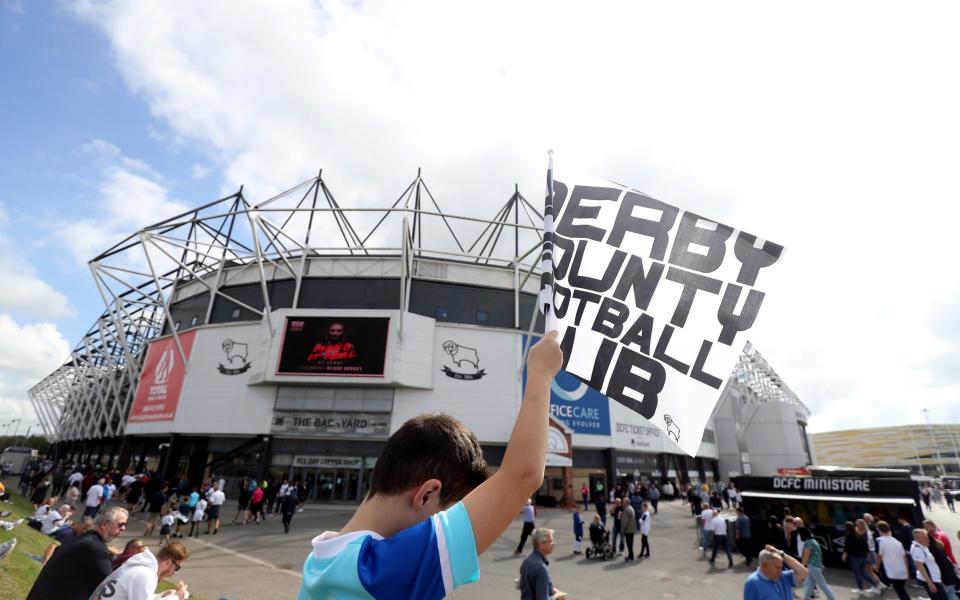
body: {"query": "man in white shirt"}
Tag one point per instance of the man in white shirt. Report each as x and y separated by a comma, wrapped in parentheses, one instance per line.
(645, 522)
(75, 478)
(705, 518)
(719, 526)
(215, 501)
(138, 577)
(927, 569)
(284, 488)
(55, 518)
(893, 557)
(93, 499)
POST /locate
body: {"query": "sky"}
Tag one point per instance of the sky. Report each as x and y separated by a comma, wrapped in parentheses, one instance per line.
(830, 128)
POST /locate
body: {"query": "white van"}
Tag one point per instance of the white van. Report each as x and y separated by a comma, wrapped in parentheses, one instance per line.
(15, 458)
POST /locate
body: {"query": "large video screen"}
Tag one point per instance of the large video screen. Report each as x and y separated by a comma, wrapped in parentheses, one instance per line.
(334, 346)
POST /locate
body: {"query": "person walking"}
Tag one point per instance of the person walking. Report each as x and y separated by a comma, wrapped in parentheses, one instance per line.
(628, 527)
(855, 555)
(743, 536)
(812, 559)
(214, 501)
(948, 573)
(288, 506)
(617, 528)
(645, 523)
(585, 493)
(928, 571)
(719, 527)
(528, 513)
(705, 521)
(893, 558)
(535, 581)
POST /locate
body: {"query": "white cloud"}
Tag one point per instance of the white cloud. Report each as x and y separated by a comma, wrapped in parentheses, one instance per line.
(829, 129)
(200, 171)
(23, 291)
(130, 195)
(28, 352)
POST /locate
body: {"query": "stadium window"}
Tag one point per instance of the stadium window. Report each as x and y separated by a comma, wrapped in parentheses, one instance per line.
(193, 321)
(442, 313)
(235, 314)
(483, 316)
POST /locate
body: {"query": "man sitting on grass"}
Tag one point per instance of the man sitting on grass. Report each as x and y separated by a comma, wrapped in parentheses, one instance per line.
(431, 510)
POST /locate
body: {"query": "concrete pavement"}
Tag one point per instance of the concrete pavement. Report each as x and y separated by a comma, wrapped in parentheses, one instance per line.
(260, 561)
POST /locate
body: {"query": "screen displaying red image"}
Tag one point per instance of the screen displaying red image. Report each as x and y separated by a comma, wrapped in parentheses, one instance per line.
(334, 346)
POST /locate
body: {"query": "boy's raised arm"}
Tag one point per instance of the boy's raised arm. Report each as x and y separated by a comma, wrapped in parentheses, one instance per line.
(498, 500)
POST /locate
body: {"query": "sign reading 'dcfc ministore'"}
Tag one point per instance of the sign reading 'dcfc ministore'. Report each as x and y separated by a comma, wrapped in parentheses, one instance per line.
(331, 424)
(334, 346)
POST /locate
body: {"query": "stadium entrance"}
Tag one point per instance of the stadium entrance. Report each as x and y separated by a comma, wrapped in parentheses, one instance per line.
(331, 478)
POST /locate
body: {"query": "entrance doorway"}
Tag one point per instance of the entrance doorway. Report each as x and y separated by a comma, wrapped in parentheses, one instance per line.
(330, 484)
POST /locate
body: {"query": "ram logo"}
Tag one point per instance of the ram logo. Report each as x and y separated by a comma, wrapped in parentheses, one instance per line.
(236, 353)
(465, 360)
(672, 429)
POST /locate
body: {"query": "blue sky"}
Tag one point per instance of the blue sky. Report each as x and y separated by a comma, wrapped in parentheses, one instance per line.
(830, 129)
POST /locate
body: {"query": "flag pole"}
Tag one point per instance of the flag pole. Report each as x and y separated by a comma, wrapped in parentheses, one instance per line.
(546, 265)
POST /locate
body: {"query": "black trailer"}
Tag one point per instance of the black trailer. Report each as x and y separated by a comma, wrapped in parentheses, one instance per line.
(826, 503)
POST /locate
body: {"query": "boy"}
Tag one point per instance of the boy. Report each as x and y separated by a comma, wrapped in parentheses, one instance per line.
(431, 510)
(166, 525)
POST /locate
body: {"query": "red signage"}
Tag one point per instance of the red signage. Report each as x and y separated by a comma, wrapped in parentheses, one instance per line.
(159, 390)
(794, 471)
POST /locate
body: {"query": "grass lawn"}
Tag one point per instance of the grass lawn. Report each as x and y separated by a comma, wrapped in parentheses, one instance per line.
(18, 571)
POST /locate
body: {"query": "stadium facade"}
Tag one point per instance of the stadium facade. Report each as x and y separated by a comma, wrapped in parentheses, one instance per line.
(290, 338)
(925, 450)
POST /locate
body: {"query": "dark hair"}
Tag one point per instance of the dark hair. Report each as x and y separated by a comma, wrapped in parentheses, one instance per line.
(430, 446)
(805, 534)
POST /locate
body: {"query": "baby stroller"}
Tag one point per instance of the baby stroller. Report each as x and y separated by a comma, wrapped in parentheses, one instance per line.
(599, 543)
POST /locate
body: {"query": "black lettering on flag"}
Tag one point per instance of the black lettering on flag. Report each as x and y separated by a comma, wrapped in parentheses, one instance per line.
(566, 343)
(688, 233)
(661, 352)
(658, 230)
(691, 282)
(597, 285)
(640, 333)
(602, 363)
(610, 318)
(753, 259)
(623, 378)
(698, 373)
(733, 323)
(559, 196)
(561, 300)
(643, 284)
(584, 297)
(576, 210)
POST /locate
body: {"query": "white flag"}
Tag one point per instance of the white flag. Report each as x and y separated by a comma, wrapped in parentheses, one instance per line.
(652, 302)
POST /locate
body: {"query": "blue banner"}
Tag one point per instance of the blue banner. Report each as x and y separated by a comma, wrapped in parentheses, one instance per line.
(577, 405)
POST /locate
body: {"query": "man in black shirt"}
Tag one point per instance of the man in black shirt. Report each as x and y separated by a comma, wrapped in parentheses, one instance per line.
(77, 567)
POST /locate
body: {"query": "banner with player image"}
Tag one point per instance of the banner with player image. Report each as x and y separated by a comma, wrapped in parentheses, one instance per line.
(334, 346)
(652, 301)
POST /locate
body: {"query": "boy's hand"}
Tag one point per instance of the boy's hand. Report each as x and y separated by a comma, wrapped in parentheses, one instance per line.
(545, 357)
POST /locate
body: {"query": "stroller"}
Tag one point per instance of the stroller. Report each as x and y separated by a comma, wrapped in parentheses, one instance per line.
(599, 543)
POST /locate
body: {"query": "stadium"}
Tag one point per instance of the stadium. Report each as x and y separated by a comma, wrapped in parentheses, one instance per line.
(289, 338)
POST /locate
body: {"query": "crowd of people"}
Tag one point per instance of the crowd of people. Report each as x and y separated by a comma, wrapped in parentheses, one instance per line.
(84, 508)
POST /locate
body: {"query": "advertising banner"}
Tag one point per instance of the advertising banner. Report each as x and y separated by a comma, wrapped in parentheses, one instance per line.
(578, 406)
(158, 392)
(651, 301)
(331, 424)
(334, 346)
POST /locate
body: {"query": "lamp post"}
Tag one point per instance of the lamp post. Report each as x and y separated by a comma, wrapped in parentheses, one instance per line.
(936, 446)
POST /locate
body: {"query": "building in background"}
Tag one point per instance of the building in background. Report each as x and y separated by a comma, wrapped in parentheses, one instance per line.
(760, 424)
(929, 450)
(292, 337)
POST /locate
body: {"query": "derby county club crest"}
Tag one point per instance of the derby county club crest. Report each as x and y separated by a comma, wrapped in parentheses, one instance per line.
(672, 429)
(236, 353)
(465, 361)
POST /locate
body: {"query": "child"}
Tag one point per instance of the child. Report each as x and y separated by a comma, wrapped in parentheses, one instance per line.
(166, 525)
(431, 509)
(198, 514)
(577, 530)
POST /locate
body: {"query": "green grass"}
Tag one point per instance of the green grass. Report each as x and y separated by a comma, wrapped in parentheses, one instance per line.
(18, 571)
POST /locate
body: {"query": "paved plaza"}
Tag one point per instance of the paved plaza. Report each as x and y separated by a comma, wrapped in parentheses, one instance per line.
(259, 561)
